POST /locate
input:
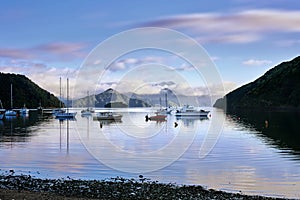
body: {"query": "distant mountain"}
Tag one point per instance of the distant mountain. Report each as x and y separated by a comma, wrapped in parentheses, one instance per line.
(279, 88)
(109, 98)
(112, 98)
(24, 92)
(172, 98)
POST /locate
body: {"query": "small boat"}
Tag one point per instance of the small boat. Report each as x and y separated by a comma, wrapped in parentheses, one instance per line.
(65, 115)
(108, 116)
(10, 113)
(157, 117)
(88, 111)
(190, 111)
(165, 111)
(24, 110)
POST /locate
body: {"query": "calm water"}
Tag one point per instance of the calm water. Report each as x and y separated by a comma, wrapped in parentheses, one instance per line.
(250, 155)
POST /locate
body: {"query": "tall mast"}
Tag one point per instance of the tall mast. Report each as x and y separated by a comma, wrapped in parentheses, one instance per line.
(60, 92)
(67, 95)
(166, 99)
(88, 94)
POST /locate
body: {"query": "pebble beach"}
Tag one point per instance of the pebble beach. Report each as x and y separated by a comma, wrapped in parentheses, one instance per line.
(28, 187)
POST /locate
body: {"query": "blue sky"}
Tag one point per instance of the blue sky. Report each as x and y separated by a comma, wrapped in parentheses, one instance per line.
(48, 39)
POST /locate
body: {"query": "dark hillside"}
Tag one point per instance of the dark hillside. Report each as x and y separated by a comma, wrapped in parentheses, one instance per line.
(24, 92)
(279, 88)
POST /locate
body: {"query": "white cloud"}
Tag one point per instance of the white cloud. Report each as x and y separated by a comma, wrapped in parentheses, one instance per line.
(240, 27)
(132, 62)
(253, 62)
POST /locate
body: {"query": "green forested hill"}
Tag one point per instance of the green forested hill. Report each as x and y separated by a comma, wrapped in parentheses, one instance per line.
(279, 88)
(24, 92)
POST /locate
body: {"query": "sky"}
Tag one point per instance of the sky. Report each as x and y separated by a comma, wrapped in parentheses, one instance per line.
(45, 40)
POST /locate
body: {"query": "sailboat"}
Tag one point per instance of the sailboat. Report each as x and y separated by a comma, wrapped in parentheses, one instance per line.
(24, 110)
(167, 109)
(161, 115)
(88, 111)
(11, 113)
(67, 114)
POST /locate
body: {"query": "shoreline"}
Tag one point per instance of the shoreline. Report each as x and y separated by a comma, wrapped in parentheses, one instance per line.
(26, 186)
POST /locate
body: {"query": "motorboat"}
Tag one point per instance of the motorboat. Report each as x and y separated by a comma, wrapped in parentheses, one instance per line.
(108, 116)
(191, 111)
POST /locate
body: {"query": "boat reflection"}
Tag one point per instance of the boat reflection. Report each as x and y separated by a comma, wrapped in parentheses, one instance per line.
(61, 123)
(107, 122)
(190, 121)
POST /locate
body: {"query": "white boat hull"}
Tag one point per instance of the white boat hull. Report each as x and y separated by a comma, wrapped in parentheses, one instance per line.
(108, 116)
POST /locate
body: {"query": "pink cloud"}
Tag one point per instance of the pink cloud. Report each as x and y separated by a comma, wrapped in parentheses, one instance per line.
(54, 51)
(16, 53)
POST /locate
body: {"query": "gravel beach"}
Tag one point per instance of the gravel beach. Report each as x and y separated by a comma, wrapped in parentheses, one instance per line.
(27, 187)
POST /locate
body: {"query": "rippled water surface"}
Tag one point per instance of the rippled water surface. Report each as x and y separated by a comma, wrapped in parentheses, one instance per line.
(255, 153)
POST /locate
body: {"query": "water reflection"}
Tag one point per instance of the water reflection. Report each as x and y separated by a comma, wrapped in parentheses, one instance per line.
(18, 128)
(276, 128)
(107, 122)
(61, 123)
(190, 121)
(247, 156)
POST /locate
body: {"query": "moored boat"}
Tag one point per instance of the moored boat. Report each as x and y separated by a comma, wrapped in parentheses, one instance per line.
(11, 112)
(108, 116)
(65, 115)
(190, 111)
(88, 111)
(157, 117)
(61, 114)
(24, 110)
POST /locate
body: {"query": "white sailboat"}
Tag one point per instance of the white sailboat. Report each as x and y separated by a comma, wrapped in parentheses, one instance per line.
(24, 110)
(11, 113)
(67, 114)
(88, 111)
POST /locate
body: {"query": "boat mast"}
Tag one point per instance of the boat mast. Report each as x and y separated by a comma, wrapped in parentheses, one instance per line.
(67, 95)
(160, 102)
(166, 100)
(88, 94)
(59, 92)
